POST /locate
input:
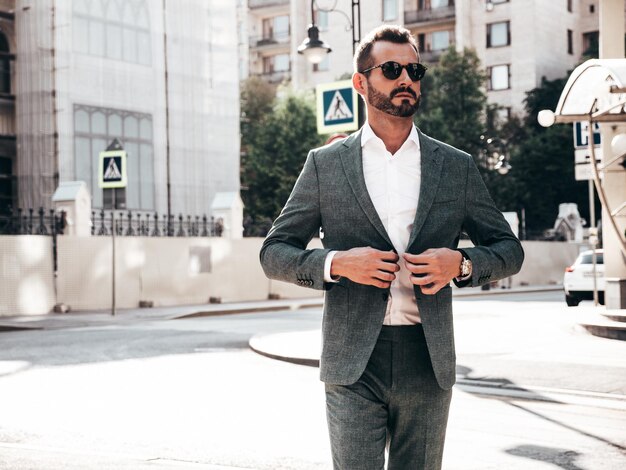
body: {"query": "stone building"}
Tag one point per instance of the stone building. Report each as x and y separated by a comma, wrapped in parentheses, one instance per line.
(517, 41)
(156, 75)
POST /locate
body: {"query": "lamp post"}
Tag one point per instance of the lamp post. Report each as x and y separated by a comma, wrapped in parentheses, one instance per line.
(314, 49)
(495, 154)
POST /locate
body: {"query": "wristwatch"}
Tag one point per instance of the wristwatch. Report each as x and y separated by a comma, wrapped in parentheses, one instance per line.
(466, 266)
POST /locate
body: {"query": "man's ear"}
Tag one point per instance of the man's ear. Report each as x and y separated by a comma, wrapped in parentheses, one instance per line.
(359, 82)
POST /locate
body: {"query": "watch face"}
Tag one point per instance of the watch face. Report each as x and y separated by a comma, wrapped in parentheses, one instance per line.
(465, 267)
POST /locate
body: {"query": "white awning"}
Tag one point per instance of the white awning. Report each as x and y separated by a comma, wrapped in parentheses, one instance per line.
(596, 89)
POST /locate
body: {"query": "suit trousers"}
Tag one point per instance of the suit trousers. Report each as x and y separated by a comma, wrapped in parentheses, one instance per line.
(396, 405)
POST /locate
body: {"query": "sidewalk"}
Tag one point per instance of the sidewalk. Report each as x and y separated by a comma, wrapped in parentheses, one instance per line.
(300, 347)
(85, 318)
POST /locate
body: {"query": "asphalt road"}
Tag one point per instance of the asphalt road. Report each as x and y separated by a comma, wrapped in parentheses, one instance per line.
(190, 394)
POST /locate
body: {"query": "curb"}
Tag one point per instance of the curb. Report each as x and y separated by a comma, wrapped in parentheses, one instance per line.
(486, 387)
(49, 321)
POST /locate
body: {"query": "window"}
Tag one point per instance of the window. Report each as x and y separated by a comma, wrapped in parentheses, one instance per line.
(421, 42)
(570, 41)
(498, 77)
(440, 3)
(5, 65)
(592, 8)
(498, 34)
(503, 114)
(591, 44)
(115, 29)
(323, 66)
(94, 129)
(276, 28)
(276, 63)
(440, 40)
(281, 63)
(569, 5)
(390, 10)
(6, 185)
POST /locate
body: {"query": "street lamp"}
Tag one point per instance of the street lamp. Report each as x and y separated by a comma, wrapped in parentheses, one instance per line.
(314, 49)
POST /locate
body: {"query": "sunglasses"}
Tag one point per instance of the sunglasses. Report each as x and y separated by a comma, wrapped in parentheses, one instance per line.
(392, 70)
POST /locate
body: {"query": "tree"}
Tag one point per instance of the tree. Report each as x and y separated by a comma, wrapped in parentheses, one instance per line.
(543, 163)
(453, 101)
(277, 144)
(454, 109)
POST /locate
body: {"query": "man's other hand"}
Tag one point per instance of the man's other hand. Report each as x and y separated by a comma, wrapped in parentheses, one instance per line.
(434, 268)
(366, 265)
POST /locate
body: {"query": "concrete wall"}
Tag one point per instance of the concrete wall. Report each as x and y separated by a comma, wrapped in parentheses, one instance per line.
(176, 271)
(26, 275)
(170, 271)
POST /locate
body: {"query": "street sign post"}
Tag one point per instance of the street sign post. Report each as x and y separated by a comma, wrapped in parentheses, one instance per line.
(112, 177)
(582, 172)
(337, 107)
(112, 169)
(582, 154)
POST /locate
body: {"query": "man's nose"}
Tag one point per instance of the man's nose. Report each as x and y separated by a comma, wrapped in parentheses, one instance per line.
(404, 78)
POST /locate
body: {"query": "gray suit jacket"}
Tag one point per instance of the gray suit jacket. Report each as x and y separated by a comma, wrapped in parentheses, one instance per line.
(331, 194)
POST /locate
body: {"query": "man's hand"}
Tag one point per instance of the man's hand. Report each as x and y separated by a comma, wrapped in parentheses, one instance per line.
(434, 268)
(365, 265)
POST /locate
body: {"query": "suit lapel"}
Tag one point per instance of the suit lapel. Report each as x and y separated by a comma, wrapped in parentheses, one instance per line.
(352, 161)
(431, 166)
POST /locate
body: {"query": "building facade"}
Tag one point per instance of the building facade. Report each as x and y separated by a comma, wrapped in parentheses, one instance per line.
(156, 75)
(517, 41)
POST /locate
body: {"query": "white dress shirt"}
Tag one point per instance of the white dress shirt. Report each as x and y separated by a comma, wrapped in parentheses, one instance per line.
(393, 184)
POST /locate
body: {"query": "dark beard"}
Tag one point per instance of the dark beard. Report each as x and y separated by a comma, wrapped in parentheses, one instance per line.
(384, 104)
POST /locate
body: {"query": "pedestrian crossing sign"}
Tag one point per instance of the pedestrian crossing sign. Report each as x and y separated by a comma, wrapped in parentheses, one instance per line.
(112, 169)
(337, 107)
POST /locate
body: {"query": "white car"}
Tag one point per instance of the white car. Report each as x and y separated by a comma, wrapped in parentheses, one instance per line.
(578, 278)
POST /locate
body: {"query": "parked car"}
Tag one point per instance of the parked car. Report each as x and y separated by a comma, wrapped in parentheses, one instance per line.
(578, 278)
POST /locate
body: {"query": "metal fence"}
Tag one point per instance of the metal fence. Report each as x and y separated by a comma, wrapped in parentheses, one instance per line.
(151, 225)
(29, 222)
(127, 223)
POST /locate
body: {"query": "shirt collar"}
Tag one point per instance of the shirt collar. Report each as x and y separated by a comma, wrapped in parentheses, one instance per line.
(367, 134)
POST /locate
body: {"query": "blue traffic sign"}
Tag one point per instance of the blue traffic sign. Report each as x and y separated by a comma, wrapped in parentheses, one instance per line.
(337, 107)
(581, 134)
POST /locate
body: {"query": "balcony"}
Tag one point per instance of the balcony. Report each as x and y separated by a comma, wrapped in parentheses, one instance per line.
(266, 3)
(432, 15)
(275, 39)
(275, 77)
(431, 57)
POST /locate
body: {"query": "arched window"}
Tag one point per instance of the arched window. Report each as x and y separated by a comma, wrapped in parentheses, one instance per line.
(116, 29)
(94, 129)
(5, 65)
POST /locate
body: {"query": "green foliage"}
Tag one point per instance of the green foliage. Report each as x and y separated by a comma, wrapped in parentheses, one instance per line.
(453, 101)
(277, 142)
(542, 161)
(454, 110)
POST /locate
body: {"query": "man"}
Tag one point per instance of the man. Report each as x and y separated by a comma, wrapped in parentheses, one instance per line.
(392, 203)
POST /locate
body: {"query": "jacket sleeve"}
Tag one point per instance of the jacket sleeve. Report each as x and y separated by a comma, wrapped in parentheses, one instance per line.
(497, 253)
(284, 256)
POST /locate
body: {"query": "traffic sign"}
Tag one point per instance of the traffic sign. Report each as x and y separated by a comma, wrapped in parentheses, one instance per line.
(337, 107)
(112, 169)
(581, 134)
(582, 153)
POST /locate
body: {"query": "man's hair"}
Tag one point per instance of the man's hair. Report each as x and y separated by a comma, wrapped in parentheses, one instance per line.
(392, 33)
